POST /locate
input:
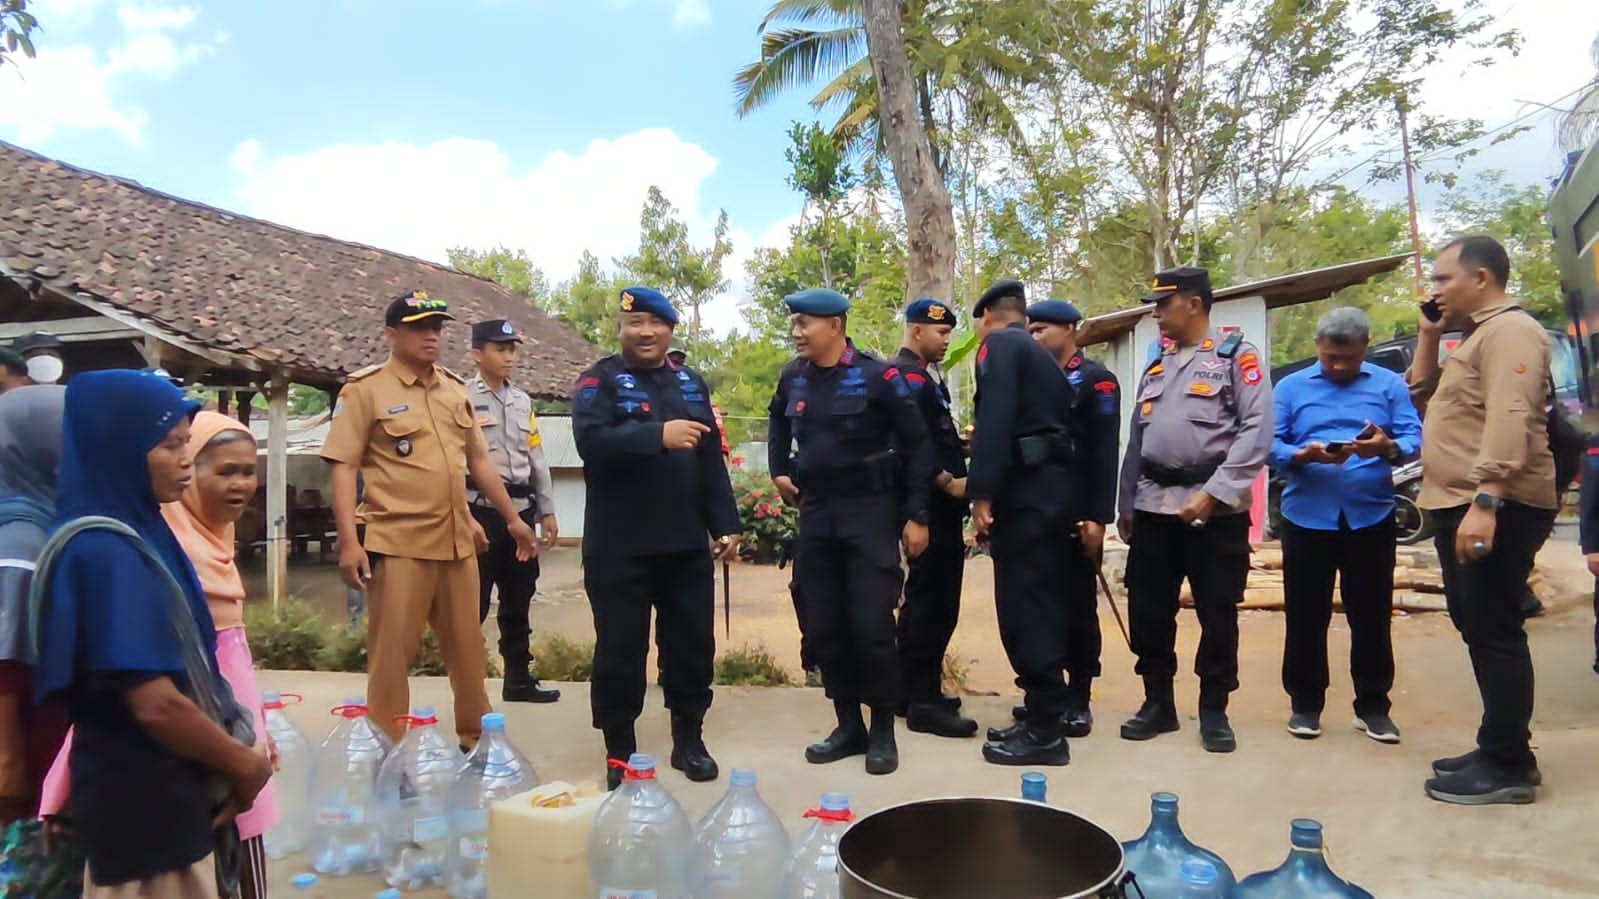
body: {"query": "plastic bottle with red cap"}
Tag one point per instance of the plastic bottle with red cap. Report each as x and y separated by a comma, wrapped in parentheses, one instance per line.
(343, 837)
(292, 780)
(812, 871)
(411, 788)
(641, 841)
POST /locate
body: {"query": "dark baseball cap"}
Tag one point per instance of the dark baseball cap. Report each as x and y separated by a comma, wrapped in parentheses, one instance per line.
(414, 306)
(495, 330)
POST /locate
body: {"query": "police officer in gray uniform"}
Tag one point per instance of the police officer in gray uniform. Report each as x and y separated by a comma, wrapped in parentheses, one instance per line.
(505, 416)
(1200, 431)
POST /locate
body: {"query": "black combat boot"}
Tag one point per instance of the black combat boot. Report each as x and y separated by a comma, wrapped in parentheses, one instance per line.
(1032, 743)
(1215, 733)
(882, 755)
(1157, 716)
(522, 686)
(1078, 720)
(847, 739)
(689, 754)
(939, 719)
(620, 744)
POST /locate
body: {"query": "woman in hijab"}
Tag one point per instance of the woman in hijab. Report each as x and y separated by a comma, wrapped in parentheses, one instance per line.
(143, 752)
(30, 447)
(203, 519)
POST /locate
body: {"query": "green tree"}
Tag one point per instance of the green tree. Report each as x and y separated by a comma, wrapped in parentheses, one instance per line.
(513, 271)
(587, 303)
(819, 171)
(1515, 215)
(690, 276)
(16, 30)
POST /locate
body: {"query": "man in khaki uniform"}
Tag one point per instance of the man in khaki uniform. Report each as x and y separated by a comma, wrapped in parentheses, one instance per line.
(408, 428)
(1488, 478)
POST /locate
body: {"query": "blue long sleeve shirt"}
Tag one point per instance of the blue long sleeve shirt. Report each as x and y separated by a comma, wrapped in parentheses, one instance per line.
(1310, 408)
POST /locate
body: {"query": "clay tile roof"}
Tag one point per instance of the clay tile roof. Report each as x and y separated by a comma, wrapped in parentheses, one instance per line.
(306, 302)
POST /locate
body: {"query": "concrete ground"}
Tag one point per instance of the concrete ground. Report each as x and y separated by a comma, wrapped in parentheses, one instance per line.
(1382, 832)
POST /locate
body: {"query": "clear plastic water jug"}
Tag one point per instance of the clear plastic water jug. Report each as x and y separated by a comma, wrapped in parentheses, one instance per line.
(1157, 857)
(491, 772)
(740, 846)
(412, 787)
(639, 847)
(1199, 880)
(812, 871)
(343, 837)
(1304, 874)
(292, 780)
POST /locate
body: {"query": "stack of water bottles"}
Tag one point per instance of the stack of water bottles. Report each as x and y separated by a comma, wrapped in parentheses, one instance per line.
(642, 845)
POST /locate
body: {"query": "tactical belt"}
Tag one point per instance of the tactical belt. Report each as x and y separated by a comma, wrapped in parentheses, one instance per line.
(516, 491)
(1043, 449)
(877, 473)
(1177, 475)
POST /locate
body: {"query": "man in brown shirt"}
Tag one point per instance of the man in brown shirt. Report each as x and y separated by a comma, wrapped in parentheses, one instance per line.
(408, 428)
(1488, 480)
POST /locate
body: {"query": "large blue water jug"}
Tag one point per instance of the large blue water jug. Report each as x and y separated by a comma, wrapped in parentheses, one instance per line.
(1157, 857)
(1304, 875)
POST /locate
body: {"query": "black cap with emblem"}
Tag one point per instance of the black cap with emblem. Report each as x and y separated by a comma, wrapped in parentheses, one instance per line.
(999, 289)
(413, 307)
(495, 330)
(1185, 279)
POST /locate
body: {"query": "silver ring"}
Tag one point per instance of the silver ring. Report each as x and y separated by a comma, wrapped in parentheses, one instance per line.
(1480, 548)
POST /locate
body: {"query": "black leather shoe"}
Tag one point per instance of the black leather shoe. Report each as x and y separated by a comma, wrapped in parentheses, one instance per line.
(1154, 717)
(527, 689)
(1001, 734)
(940, 720)
(1078, 722)
(1029, 746)
(1215, 734)
(950, 700)
(842, 743)
(1457, 763)
(689, 754)
(1483, 783)
(882, 754)
(1019, 711)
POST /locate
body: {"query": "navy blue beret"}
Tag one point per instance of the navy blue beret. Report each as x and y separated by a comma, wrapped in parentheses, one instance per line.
(998, 290)
(817, 301)
(928, 311)
(648, 299)
(1054, 312)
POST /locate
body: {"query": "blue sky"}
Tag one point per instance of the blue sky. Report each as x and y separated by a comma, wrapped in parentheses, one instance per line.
(534, 123)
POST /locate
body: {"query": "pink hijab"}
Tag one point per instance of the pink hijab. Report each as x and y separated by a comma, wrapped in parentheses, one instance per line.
(209, 545)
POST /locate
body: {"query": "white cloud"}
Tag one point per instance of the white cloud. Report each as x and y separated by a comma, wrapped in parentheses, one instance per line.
(74, 86)
(688, 13)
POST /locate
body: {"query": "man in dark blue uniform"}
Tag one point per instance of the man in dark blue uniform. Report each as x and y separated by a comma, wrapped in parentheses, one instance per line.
(860, 477)
(657, 495)
(933, 582)
(1021, 491)
(1588, 529)
(1095, 419)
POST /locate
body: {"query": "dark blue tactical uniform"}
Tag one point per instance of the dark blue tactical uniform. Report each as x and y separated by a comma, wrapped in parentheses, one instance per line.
(1588, 524)
(649, 519)
(1096, 434)
(856, 493)
(1021, 453)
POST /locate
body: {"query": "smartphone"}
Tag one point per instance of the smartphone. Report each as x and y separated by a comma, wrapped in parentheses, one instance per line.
(1337, 446)
(1432, 311)
(1367, 433)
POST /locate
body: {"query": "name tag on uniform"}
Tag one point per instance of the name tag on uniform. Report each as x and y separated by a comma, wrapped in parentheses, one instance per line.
(403, 407)
(1201, 388)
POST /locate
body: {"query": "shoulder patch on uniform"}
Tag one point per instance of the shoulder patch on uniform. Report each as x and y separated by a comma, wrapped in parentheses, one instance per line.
(1105, 386)
(360, 373)
(451, 375)
(1154, 368)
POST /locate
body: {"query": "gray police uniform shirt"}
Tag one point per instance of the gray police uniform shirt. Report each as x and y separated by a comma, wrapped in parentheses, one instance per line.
(1199, 410)
(509, 427)
(20, 542)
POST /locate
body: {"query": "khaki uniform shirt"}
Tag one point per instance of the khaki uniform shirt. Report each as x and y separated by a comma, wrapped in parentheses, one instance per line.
(511, 431)
(1484, 416)
(410, 437)
(1204, 410)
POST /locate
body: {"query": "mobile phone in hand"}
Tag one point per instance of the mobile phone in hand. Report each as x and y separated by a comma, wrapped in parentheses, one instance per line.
(1431, 309)
(1368, 432)
(1337, 446)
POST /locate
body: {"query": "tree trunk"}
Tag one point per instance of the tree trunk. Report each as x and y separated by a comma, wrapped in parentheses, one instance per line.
(929, 216)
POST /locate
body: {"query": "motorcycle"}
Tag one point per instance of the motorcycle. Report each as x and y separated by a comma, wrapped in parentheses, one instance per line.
(1412, 524)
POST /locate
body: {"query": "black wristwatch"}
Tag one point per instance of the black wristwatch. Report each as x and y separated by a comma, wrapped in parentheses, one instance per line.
(1487, 501)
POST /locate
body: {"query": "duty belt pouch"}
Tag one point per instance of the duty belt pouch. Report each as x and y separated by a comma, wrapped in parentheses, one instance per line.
(882, 471)
(1033, 450)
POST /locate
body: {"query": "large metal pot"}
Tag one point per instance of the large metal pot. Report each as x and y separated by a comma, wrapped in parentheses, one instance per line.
(978, 849)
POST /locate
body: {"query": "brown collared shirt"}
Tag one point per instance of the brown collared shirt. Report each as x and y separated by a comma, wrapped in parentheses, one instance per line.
(1484, 415)
(410, 438)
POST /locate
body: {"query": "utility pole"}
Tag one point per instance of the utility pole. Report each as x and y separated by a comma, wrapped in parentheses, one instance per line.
(1410, 193)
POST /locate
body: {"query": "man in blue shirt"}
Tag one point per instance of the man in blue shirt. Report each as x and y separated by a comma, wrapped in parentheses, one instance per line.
(1340, 427)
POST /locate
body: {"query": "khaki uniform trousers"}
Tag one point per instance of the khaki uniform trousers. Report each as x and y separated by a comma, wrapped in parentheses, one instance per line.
(404, 596)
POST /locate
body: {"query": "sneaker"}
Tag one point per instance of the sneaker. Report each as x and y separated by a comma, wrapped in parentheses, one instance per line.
(1305, 725)
(1378, 727)
(1456, 763)
(1483, 783)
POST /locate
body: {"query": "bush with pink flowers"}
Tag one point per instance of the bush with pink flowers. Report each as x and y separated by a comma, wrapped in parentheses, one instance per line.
(766, 520)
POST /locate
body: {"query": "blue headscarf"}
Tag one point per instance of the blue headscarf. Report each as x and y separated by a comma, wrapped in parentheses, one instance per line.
(106, 610)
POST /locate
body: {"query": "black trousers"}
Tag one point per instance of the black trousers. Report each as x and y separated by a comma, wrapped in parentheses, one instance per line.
(1363, 561)
(932, 605)
(1483, 596)
(807, 654)
(1083, 638)
(850, 586)
(622, 590)
(1029, 567)
(1215, 560)
(498, 569)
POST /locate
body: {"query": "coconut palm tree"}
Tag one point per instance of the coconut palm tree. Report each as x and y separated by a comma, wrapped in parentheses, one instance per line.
(1580, 126)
